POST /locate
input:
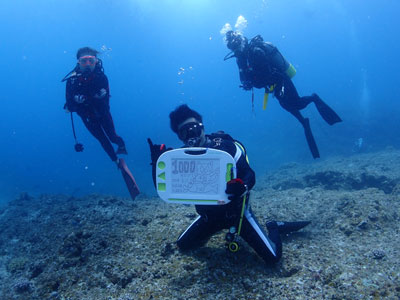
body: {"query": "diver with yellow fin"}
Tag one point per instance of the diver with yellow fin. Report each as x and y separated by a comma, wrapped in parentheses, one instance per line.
(261, 65)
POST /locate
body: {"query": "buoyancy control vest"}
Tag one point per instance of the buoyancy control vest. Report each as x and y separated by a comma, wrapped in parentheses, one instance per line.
(240, 149)
(269, 61)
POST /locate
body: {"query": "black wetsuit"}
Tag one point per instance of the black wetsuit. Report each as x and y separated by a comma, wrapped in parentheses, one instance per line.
(261, 65)
(85, 96)
(214, 218)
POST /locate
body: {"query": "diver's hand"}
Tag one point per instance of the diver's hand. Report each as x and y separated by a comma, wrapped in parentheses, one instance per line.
(235, 188)
(100, 94)
(67, 111)
(246, 85)
(156, 150)
(79, 98)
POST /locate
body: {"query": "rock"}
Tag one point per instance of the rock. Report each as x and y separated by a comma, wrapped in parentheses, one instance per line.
(145, 222)
(373, 216)
(72, 246)
(191, 216)
(378, 254)
(35, 270)
(290, 272)
(17, 264)
(168, 250)
(119, 276)
(22, 285)
(363, 225)
(347, 230)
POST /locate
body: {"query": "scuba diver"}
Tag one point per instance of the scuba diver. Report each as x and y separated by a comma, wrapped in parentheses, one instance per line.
(262, 66)
(236, 215)
(88, 94)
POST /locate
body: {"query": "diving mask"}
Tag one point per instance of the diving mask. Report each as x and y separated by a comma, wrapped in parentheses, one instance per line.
(234, 40)
(87, 60)
(190, 130)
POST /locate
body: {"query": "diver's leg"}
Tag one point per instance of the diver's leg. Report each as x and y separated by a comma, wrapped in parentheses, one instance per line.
(94, 127)
(268, 247)
(307, 131)
(198, 233)
(288, 96)
(304, 101)
(297, 114)
(109, 127)
(289, 99)
(298, 102)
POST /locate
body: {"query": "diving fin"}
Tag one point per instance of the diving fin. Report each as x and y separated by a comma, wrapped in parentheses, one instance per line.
(310, 138)
(327, 113)
(287, 227)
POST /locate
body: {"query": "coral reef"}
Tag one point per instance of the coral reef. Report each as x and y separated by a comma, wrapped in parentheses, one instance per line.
(104, 247)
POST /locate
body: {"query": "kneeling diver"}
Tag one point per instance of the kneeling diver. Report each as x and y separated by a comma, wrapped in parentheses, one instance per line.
(236, 215)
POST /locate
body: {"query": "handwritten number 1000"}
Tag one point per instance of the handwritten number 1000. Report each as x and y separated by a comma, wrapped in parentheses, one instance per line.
(183, 166)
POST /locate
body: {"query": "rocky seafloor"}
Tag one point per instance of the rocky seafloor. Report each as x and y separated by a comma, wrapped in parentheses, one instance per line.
(105, 247)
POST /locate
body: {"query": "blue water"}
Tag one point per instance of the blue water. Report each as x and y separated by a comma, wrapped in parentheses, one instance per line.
(346, 51)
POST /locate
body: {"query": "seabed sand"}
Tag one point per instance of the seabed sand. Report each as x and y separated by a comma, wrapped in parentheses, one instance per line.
(103, 247)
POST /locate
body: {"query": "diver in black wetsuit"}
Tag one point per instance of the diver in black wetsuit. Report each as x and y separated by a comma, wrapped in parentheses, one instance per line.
(88, 94)
(187, 124)
(261, 65)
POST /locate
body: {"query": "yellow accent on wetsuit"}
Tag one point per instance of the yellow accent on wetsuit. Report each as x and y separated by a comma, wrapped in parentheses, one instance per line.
(243, 150)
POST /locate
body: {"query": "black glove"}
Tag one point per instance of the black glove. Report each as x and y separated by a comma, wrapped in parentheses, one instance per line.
(247, 85)
(235, 188)
(156, 150)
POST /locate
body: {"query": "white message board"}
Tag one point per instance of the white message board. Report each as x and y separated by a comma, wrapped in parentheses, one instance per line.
(194, 176)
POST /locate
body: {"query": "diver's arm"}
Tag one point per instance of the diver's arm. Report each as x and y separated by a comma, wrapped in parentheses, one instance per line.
(70, 104)
(106, 86)
(244, 72)
(245, 79)
(245, 173)
(155, 152)
(259, 56)
(102, 90)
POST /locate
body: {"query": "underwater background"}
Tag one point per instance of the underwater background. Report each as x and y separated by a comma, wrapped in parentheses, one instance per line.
(159, 54)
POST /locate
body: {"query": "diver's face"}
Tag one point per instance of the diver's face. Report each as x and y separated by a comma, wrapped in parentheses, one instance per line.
(87, 63)
(191, 132)
(234, 40)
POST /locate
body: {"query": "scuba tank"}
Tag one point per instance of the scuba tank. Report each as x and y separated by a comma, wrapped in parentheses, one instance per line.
(275, 60)
(276, 63)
